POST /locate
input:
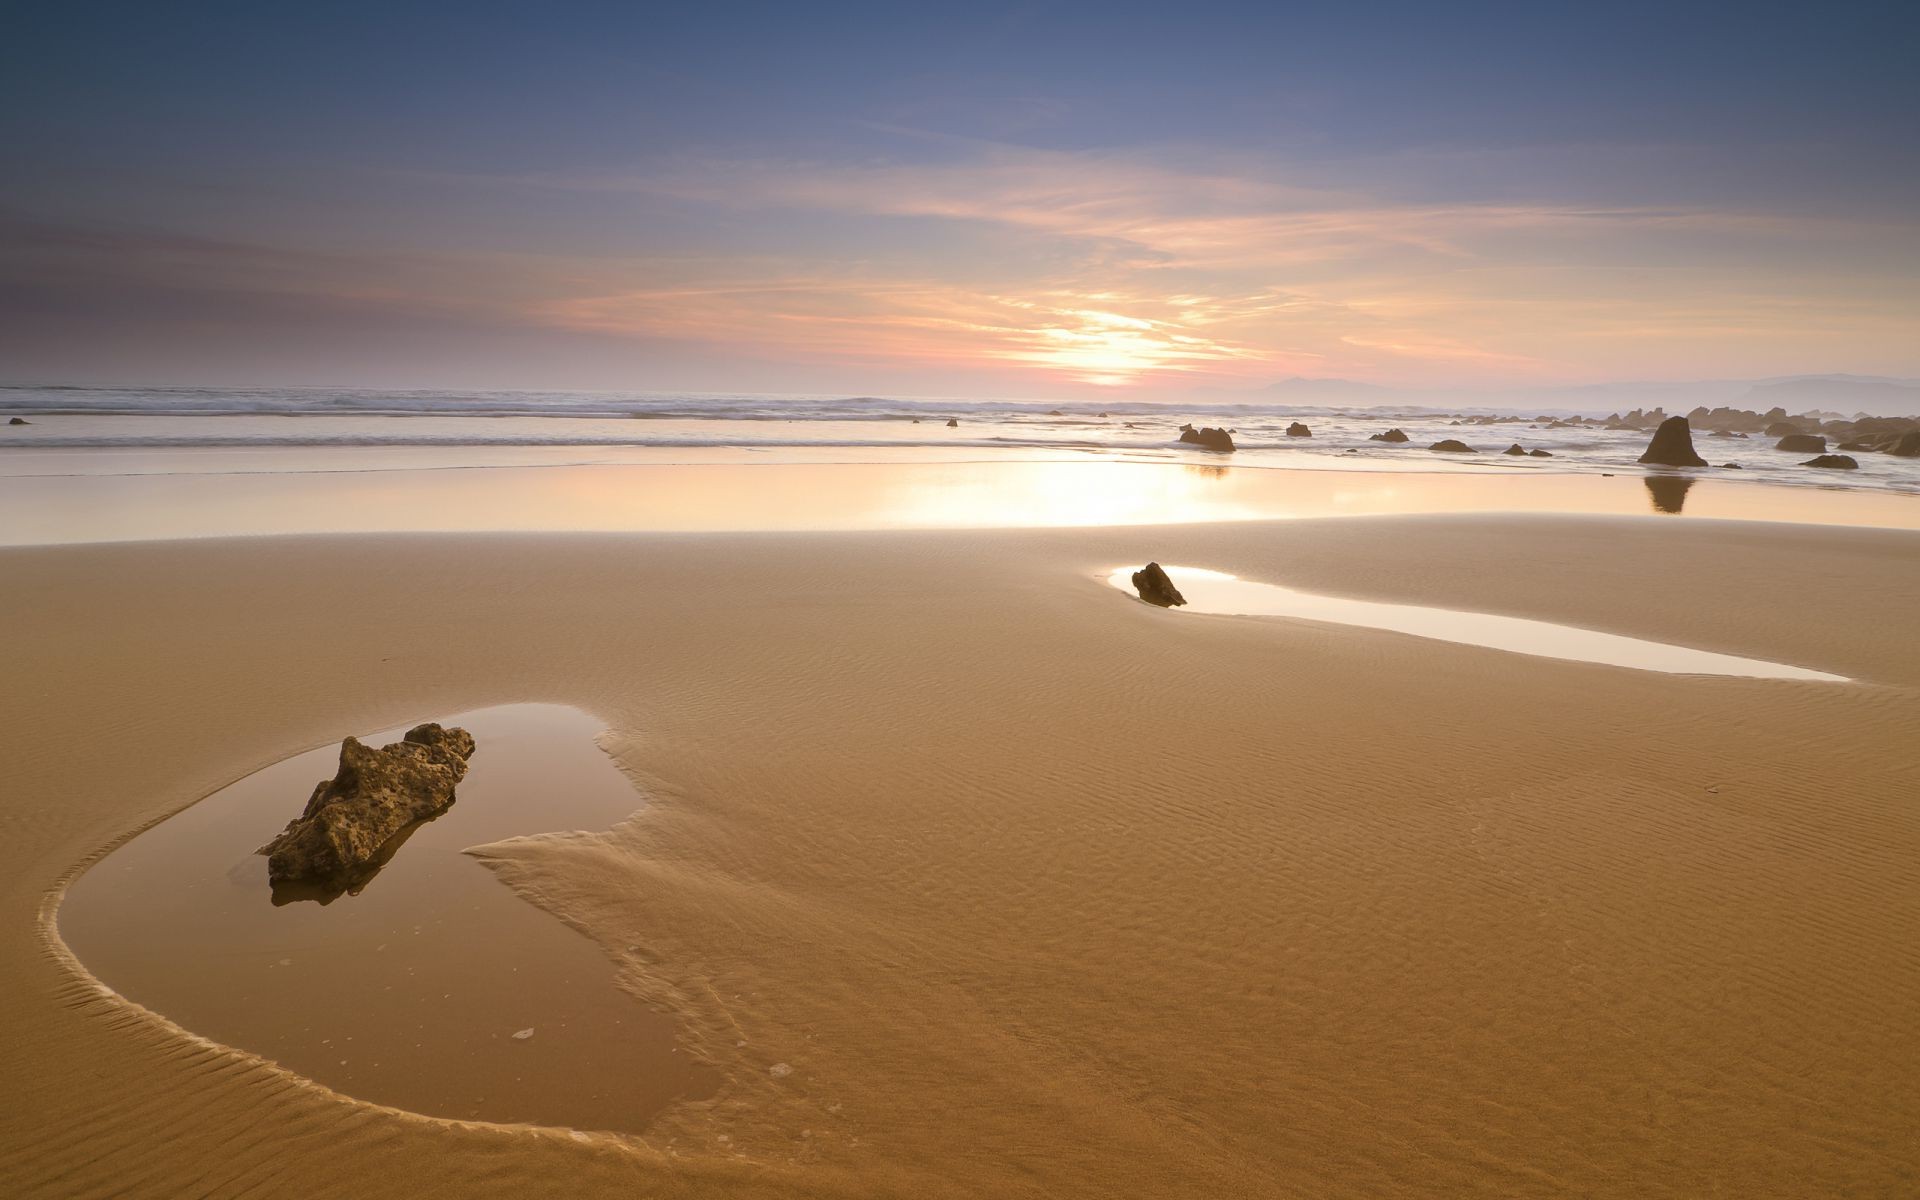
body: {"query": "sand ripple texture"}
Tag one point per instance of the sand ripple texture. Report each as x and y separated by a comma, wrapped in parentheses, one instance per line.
(974, 878)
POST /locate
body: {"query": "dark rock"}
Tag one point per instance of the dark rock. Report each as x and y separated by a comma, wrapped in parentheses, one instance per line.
(952, 424)
(1516, 450)
(1780, 429)
(1672, 445)
(1206, 439)
(1452, 446)
(19, 421)
(1729, 466)
(1298, 430)
(1391, 435)
(1539, 454)
(1155, 588)
(1908, 446)
(1103, 414)
(1802, 443)
(1833, 462)
(375, 795)
(1054, 412)
(1854, 446)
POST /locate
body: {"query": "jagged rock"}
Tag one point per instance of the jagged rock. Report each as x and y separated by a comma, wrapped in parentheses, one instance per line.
(374, 795)
(1155, 588)
(1833, 462)
(1298, 430)
(952, 424)
(1391, 435)
(19, 421)
(1516, 450)
(1207, 438)
(1539, 454)
(1452, 446)
(1802, 443)
(1908, 446)
(1672, 445)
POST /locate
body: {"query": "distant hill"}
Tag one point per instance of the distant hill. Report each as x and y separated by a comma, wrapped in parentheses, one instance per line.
(1842, 393)
(1845, 394)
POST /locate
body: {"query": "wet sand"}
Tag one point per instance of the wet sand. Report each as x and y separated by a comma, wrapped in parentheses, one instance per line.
(970, 877)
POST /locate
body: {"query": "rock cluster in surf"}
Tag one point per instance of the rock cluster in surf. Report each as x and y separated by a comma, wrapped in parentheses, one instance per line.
(374, 795)
(1155, 588)
(1207, 439)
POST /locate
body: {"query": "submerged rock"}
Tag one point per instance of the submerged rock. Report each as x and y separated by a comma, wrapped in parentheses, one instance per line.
(374, 795)
(1155, 588)
(1833, 462)
(1206, 439)
(1298, 430)
(1802, 443)
(1452, 446)
(1391, 435)
(1672, 445)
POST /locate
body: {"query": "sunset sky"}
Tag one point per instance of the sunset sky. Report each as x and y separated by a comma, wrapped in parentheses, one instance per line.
(1007, 200)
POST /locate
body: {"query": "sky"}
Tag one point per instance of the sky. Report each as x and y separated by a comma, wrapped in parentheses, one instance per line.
(1007, 200)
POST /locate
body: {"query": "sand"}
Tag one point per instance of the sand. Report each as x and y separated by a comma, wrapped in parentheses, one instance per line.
(1039, 891)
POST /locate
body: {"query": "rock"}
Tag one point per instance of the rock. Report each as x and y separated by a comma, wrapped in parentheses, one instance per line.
(1857, 447)
(1054, 412)
(1672, 445)
(1729, 466)
(1452, 446)
(1103, 414)
(1207, 439)
(1516, 450)
(1155, 588)
(952, 424)
(1833, 462)
(1391, 435)
(1908, 446)
(19, 421)
(1780, 429)
(374, 795)
(1539, 454)
(1298, 430)
(1802, 443)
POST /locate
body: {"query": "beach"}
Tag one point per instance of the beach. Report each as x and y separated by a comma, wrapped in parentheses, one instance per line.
(970, 875)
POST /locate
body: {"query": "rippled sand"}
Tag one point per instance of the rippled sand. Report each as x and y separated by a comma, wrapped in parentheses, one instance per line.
(971, 877)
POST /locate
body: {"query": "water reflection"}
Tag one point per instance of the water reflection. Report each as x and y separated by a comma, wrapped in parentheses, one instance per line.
(1217, 592)
(1206, 471)
(1669, 492)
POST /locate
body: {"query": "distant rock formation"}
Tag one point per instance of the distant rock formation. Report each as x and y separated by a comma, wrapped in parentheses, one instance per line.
(1516, 450)
(1391, 435)
(1833, 462)
(1539, 454)
(1452, 446)
(1672, 445)
(1802, 443)
(19, 421)
(374, 795)
(1729, 466)
(1298, 430)
(952, 424)
(1155, 588)
(1780, 429)
(1207, 439)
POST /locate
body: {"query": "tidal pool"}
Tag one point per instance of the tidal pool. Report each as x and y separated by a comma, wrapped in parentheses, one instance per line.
(419, 988)
(1217, 592)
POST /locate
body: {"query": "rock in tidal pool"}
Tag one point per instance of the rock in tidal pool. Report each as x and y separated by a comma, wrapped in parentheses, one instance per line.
(1834, 462)
(1452, 446)
(374, 795)
(1672, 445)
(1155, 588)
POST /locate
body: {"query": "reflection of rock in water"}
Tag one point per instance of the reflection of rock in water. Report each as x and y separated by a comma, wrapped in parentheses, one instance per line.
(1206, 471)
(326, 890)
(355, 821)
(1668, 492)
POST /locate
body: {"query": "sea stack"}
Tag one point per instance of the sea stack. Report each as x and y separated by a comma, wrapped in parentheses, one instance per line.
(1672, 445)
(1391, 435)
(1298, 430)
(952, 424)
(1516, 451)
(1155, 588)
(374, 795)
